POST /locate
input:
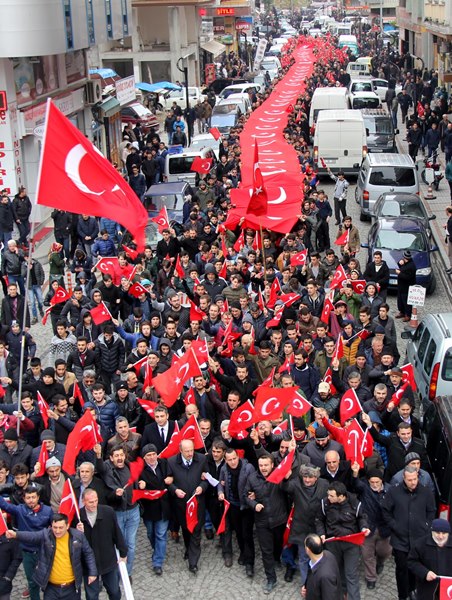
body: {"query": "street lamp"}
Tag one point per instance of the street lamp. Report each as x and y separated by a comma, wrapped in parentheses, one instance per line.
(184, 70)
(241, 32)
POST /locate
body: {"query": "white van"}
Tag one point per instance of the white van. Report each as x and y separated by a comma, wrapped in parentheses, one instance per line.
(327, 99)
(340, 140)
(178, 165)
(357, 69)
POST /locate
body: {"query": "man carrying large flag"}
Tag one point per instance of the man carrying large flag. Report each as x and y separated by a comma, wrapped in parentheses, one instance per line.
(74, 176)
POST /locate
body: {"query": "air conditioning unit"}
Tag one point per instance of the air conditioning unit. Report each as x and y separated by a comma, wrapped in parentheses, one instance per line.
(93, 92)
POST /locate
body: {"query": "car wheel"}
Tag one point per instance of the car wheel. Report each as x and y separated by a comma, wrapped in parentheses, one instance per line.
(432, 287)
(362, 217)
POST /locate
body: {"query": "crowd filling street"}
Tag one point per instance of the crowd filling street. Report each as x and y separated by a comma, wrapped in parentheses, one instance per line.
(242, 385)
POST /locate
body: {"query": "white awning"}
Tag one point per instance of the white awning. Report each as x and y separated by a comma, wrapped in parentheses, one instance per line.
(213, 47)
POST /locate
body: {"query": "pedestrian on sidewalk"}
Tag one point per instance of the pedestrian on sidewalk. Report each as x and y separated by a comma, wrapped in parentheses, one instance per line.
(36, 281)
(414, 139)
(449, 222)
(432, 140)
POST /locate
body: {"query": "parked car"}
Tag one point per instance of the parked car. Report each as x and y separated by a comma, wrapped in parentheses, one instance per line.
(381, 87)
(240, 88)
(137, 113)
(429, 350)
(179, 96)
(360, 100)
(403, 205)
(392, 236)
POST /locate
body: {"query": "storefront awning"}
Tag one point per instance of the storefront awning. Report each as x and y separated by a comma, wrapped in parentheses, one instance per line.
(110, 106)
(213, 47)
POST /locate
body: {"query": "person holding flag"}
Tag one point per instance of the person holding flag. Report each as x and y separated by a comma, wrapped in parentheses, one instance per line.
(186, 469)
(99, 525)
(340, 194)
(341, 514)
(348, 237)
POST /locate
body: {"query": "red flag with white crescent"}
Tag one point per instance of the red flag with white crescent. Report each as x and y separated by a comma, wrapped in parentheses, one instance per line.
(68, 502)
(408, 376)
(169, 384)
(258, 203)
(270, 402)
(201, 165)
(42, 459)
(299, 406)
(191, 513)
(328, 378)
(358, 285)
(147, 495)
(445, 588)
(352, 538)
(299, 259)
(338, 278)
(148, 405)
(326, 311)
(60, 295)
(222, 526)
(350, 405)
(43, 408)
(343, 239)
(288, 528)
(278, 474)
(162, 219)
(241, 418)
(100, 313)
(398, 395)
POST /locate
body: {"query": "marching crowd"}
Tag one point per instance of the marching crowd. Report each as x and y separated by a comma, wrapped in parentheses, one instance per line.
(258, 312)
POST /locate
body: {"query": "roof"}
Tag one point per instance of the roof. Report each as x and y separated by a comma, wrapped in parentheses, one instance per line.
(161, 189)
(389, 160)
(339, 115)
(104, 73)
(401, 224)
(401, 197)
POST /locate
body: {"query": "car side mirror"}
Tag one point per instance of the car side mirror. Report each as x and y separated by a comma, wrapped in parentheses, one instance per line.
(434, 249)
(364, 245)
(432, 217)
(407, 335)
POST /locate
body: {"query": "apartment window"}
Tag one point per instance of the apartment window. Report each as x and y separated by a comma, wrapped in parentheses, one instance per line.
(109, 18)
(125, 18)
(68, 24)
(90, 22)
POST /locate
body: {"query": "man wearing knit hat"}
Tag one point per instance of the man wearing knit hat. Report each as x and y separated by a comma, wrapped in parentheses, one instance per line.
(431, 558)
(156, 512)
(412, 459)
(54, 449)
(406, 276)
(14, 450)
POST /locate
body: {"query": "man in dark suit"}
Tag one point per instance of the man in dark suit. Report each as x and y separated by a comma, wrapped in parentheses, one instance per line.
(158, 433)
(101, 529)
(324, 580)
(87, 479)
(187, 468)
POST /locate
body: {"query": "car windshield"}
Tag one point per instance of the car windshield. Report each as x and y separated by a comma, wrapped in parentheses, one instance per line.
(180, 164)
(397, 240)
(362, 86)
(366, 102)
(407, 209)
(225, 109)
(378, 126)
(393, 176)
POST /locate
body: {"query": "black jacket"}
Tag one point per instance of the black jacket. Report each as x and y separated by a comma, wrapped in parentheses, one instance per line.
(151, 435)
(110, 356)
(408, 514)
(372, 502)
(6, 217)
(305, 507)
(324, 579)
(104, 538)
(188, 479)
(7, 313)
(381, 276)
(397, 452)
(406, 277)
(224, 487)
(79, 550)
(10, 559)
(159, 509)
(426, 556)
(22, 455)
(340, 519)
(275, 511)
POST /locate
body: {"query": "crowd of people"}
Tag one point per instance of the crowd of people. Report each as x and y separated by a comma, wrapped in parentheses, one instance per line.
(255, 317)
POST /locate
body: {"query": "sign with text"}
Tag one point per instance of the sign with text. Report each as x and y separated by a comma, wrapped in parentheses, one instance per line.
(125, 90)
(416, 295)
(225, 12)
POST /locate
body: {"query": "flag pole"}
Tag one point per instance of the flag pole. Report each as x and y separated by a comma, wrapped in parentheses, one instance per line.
(263, 251)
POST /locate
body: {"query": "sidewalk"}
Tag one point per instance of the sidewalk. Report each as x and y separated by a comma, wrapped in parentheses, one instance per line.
(436, 206)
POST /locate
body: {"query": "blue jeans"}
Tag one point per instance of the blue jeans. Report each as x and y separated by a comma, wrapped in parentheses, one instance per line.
(5, 236)
(24, 230)
(157, 531)
(36, 300)
(110, 582)
(129, 521)
(53, 592)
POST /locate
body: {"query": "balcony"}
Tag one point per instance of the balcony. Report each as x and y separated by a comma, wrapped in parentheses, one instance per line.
(142, 3)
(436, 26)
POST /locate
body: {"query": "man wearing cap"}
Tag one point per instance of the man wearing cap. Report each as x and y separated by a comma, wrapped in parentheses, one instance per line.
(431, 558)
(317, 448)
(325, 399)
(156, 512)
(406, 276)
(408, 510)
(376, 548)
(412, 459)
(54, 449)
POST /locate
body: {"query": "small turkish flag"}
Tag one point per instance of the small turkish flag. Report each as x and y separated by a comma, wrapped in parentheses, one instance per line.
(339, 348)
(42, 459)
(398, 395)
(355, 439)
(326, 311)
(283, 426)
(68, 503)
(110, 265)
(268, 381)
(343, 239)
(100, 313)
(191, 513)
(60, 295)
(147, 376)
(275, 289)
(240, 242)
(278, 474)
(349, 406)
(190, 397)
(338, 278)
(445, 588)
(196, 314)
(147, 495)
(323, 163)
(170, 383)
(215, 132)
(136, 468)
(290, 108)
(270, 402)
(178, 269)
(130, 251)
(363, 334)
(408, 375)
(277, 316)
(222, 526)
(258, 204)
(420, 109)
(136, 290)
(47, 312)
(299, 259)
(288, 528)
(353, 538)
(289, 299)
(162, 219)
(328, 378)
(137, 365)
(241, 418)
(201, 165)
(358, 285)
(148, 406)
(43, 408)
(78, 394)
(286, 364)
(299, 406)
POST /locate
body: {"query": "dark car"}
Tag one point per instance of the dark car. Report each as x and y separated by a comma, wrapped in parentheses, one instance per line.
(172, 196)
(403, 205)
(392, 236)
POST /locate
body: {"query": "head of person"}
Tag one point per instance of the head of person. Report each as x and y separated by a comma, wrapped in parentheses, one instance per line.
(440, 531)
(265, 464)
(161, 415)
(149, 454)
(332, 460)
(53, 469)
(60, 525)
(309, 475)
(375, 480)
(404, 432)
(187, 449)
(322, 437)
(86, 473)
(410, 478)
(337, 492)
(31, 496)
(218, 450)
(117, 456)
(313, 546)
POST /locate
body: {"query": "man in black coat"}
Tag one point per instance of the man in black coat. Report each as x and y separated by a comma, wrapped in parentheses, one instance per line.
(186, 468)
(378, 271)
(431, 558)
(156, 511)
(160, 431)
(408, 509)
(406, 276)
(324, 580)
(398, 445)
(13, 307)
(101, 529)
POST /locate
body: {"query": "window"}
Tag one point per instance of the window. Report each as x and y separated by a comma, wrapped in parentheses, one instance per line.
(430, 357)
(393, 176)
(423, 345)
(447, 366)
(68, 24)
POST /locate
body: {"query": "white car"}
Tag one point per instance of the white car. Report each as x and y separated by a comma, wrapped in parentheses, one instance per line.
(271, 64)
(240, 88)
(381, 87)
(240, 100)
(205, 140)
(179, 96)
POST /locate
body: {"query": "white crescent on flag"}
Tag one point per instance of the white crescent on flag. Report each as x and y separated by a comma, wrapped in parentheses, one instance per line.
(268, 403)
